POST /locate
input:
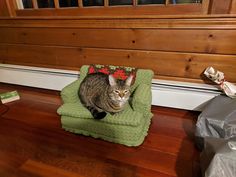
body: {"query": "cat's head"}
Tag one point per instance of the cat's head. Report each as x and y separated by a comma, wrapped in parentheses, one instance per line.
(120, 89)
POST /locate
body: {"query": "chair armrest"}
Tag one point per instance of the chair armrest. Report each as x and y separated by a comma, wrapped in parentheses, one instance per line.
(69, 93)
(142, 98)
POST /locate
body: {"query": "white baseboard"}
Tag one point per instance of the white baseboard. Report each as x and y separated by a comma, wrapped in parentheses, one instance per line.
(53, 79)
(173, 94)
(181, 97)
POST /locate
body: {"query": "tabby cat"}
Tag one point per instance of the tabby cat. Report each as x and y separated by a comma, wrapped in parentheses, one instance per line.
(101, 93)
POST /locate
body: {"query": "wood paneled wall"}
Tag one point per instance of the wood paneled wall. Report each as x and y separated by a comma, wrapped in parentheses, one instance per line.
(174, 48)
(3, 9)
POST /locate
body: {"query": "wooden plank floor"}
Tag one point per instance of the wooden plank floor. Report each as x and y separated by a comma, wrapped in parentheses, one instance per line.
(32, 143)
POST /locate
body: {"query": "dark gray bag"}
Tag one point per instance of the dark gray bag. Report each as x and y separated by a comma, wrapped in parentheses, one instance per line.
(218, 159)
(218, 119)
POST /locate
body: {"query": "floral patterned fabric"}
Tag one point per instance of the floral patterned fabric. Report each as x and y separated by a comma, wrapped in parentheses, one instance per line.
(118, 72)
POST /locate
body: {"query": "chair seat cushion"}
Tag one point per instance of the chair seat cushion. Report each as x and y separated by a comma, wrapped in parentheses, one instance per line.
(127, 117)
(117, 133)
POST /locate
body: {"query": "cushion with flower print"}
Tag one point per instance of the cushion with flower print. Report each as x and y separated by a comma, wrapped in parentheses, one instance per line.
(119, 72)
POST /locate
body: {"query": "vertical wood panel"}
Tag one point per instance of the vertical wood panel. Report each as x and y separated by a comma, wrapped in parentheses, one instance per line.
(11, 6)
(3, 8)
(205, 6)
(233, 7)
(106, 3)
(135, 2)
(167, 2)
(35, 4)
(56, 3)
(80, 3)
(220, 6)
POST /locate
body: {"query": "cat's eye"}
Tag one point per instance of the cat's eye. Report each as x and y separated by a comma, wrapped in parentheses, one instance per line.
(116, 91)
(126, 91)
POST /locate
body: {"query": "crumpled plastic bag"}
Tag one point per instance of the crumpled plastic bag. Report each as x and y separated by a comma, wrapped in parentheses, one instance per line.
(218, 159)
(218, 119)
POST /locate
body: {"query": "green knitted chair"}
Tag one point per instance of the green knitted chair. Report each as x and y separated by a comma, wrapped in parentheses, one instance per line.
(128, 127)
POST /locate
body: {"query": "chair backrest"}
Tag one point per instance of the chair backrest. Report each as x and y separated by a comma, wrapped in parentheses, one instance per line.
(143, 76)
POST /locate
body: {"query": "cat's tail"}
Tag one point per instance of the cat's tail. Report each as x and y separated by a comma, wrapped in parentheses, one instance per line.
(96, 114)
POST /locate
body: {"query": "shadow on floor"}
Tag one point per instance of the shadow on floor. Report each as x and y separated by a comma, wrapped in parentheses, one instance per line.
(187, 164)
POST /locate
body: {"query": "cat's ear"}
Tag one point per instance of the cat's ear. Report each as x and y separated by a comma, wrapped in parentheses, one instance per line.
(112, 80)
(129, 80)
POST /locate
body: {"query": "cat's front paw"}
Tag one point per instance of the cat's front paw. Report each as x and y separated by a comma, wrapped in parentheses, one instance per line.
(100, 115)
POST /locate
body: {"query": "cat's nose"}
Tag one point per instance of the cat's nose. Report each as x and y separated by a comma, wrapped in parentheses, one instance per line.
(121, 95)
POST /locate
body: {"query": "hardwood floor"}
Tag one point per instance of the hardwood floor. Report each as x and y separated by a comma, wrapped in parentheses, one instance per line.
(33, 144)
